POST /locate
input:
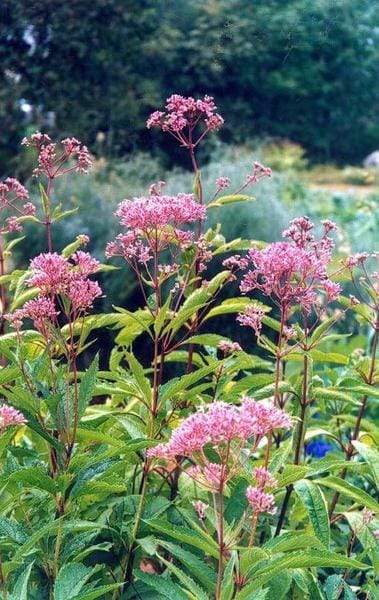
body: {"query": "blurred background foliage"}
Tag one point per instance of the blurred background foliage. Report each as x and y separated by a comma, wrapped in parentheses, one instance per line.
(306, 70)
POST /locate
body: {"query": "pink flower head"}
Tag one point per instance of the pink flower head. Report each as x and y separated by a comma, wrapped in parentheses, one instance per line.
(36, 140)
(260, 501)
(50, 273)
(159, 211)
(12, 201)
(210, 475)
(252, 317)
(228, 347)
(264, 478)
(262, 418)
(293, 272)
(258, 172)
(187, 119)
(84, 263)
(222, 183)
(40, 310)
(357, 259)
(153, 224)
(82, 293)
(9, 416)
(220, 423)
(57, 159)
(235, 262)
(55, 275)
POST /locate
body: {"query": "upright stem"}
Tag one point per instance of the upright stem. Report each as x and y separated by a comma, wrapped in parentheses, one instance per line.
(3, 295)
(300, 438)
(48, 217)
(198, 234)
(220, 517)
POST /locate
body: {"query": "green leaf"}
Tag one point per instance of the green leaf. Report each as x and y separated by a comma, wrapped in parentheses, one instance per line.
(87, 386)
(160, 319)
(370, 455)
(323, 393)
(302, 559)
(321, 329)
(182, 534)
(206, 339)
(195, 590)
(20, 590)
(139, 375)
(343, 487)
(165, 587)
(234, 305)
(292, 541)
(231, 199)
(315, 503)
(291, 473)
(33, 477)
(70, 580)
(196, 565)
(170, 389)
(13, 530)
(227, 585)
(99, 592)
(247, 594)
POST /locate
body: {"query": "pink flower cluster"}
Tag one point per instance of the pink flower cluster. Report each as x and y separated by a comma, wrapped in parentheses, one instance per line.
(258, 172)
(293, 272)
(228, 347)
(10, 416)
(252, 317)
(258, 498)
(227, 428)
(260, 501)
(220, 423)
(12, 193)
(54, 160)
(57, 278)
(222, 183)
(152, 224)
(182, 117)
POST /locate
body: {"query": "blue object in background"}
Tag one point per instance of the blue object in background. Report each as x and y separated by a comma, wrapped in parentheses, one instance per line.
(318, 448)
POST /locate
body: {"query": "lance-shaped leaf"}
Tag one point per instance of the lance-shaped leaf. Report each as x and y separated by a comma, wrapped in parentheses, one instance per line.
(351, 491)
(314, 501)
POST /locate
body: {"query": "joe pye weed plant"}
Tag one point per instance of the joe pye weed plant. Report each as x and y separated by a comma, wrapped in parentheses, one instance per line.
(253, 473)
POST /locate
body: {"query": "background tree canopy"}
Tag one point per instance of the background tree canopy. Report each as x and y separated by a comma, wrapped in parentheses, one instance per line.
(306, 70)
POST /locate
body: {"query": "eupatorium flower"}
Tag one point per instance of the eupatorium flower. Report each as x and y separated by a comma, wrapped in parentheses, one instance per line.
(10, 416)
(62, 282)
(57, 159)
(153, 224)
(260, 501)
(221, 423)
(293, 272)
(187, 119)
(228, 347)
(264, 478)
(13, 197)
(252, 317)
(40, 310)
